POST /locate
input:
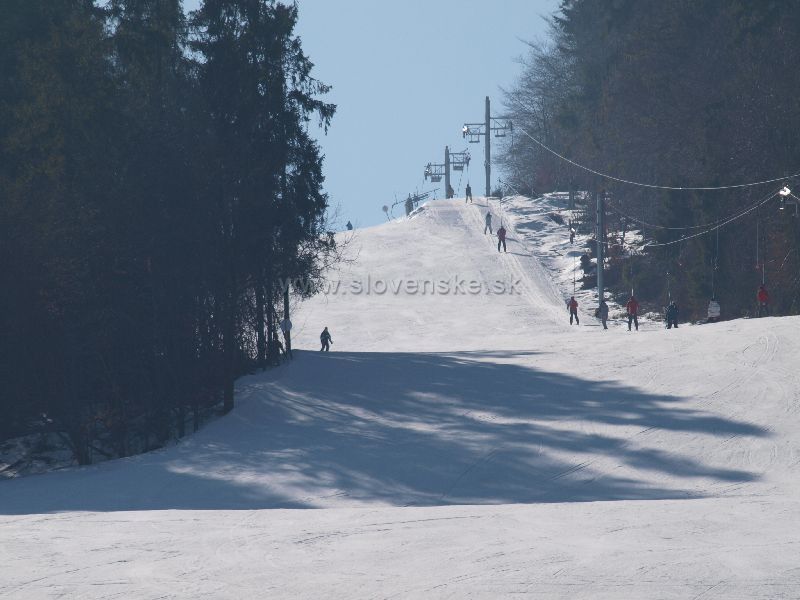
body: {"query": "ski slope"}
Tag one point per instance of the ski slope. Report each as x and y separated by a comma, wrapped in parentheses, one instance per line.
(452, 445)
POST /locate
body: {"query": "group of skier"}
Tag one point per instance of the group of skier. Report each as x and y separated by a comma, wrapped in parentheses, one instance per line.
(501, 233)
(670, 313)
(601, 312)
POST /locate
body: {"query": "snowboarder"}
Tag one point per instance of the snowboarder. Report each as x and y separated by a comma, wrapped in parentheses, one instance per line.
(602, 313)
(501, 238)
(633, 311)
(672, 315)
(450, 191)
(572, 306)
(349, 226)
(763, 301)
(286, 328)
(325, 338)
(488, 223)
(714, 310)
(469, 194)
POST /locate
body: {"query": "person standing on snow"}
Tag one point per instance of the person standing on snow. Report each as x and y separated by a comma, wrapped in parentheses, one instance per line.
(286, 328)
(501, 238)
(469, 194)
(672, 315)
(325, 338)
(488, 223)
(763, 301)
(602, 313)
(633, 310)
(586, 262)
(572, 306)
(714, 310)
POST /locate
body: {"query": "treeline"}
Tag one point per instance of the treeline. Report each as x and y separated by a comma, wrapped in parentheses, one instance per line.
(157, 182)
(680, 93)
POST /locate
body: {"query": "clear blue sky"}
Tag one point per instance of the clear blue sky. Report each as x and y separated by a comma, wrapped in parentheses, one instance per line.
(406, 76)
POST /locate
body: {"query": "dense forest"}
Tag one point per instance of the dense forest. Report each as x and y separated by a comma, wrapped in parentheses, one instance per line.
(677, 93)
(157, 183)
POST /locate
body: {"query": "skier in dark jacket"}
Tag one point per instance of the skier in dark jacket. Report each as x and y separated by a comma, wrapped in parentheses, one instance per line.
(488, 223)
(325, 338)
(602, 313)
(572, 306)
(501, 238)
(586, 262)
(672, 315)
(469, 194)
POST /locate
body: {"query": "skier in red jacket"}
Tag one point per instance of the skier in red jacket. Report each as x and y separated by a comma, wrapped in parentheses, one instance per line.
(633, 310)
(763, 301)
(501, 238)
(572, 305)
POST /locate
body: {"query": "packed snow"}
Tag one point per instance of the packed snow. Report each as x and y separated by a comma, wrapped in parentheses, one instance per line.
(461, 440)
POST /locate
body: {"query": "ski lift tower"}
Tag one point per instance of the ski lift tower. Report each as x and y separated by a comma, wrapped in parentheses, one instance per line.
(473, 132)
(456, 160)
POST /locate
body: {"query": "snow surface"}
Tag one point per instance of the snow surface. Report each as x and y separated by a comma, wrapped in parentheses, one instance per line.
(452, 445)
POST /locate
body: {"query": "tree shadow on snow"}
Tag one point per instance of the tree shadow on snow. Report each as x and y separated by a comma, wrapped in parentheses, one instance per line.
(410, 429)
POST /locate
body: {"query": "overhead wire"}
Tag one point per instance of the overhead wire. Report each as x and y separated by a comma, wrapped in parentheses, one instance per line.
(654, 186)
(722, 224)
(664, 227)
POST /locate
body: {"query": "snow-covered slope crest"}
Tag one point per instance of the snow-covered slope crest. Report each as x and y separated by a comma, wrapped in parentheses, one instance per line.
(451, 445)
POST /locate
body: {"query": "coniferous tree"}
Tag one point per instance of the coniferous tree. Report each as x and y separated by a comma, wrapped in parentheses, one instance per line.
(152, 201)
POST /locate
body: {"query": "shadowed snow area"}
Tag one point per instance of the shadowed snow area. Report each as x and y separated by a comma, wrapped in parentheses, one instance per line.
(460, 440)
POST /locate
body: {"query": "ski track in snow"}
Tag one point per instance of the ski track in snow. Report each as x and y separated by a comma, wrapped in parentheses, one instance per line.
(452, 446)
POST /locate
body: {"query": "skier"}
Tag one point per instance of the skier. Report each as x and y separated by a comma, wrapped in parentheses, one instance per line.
(349, 226)
(602, 313)
(763, 301)
(633, 310)
(713, 310)
(501, 238)
(672, 315)
(488, 223)
(571, 234)
(572, 306)
(278, 350)
(586, 262)
(450, 191)
(286, 328)
(469, 194)
(325, 338)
